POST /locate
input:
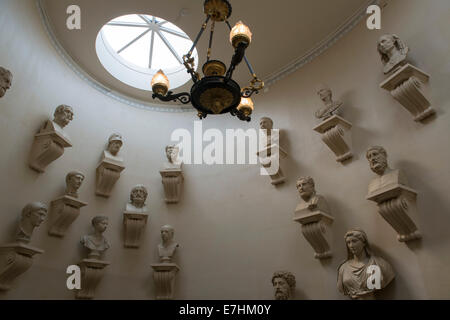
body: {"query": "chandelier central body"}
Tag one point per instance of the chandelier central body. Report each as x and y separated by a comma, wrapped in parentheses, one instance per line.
(216, 92)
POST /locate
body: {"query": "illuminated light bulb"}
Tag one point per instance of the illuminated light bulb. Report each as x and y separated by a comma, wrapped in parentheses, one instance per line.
(239, 34)
(160, 83)
(246, 106)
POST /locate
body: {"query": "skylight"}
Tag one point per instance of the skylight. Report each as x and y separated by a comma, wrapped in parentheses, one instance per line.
(143, 44)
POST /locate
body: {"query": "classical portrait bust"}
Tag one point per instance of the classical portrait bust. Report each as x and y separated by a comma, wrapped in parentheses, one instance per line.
(283, 285)
(393, 52)
(115, 142)
(377, 157)
(74, 179)
(61, 118)
(167, 248)
(172, 154)
(33, 214)
(5, 81)
(331, 107)
(138, 196)
(311, 200)
(96, 243)
(266, 124)
(354, 272)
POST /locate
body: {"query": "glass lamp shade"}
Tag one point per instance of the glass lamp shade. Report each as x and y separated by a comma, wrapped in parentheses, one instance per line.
(246, 106)
(240, 33)
(160, 83)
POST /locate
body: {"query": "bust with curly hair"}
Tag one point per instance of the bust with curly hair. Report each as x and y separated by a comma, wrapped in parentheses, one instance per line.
(283, 284)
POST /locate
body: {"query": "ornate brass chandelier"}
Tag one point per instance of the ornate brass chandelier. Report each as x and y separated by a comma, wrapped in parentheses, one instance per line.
(216, 92)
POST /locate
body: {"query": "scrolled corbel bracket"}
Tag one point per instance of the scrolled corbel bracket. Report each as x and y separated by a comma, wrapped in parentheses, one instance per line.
(396, 205)
(107, 174)
(172, 180)
(15, 259)
(406, 86)
(164, 278)
(270, 157)
(134, 224)
(336, 133)
(92, 271)
(316, 230)
(46, 148)
(64, 212)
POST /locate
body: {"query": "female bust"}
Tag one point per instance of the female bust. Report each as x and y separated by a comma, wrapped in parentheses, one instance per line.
(96, 242)
(353, 274)
(393, 52)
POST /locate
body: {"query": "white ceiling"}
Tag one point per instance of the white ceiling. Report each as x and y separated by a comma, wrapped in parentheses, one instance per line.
(283, 31)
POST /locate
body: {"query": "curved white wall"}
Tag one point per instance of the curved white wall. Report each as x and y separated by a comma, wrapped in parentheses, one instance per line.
(234, 228)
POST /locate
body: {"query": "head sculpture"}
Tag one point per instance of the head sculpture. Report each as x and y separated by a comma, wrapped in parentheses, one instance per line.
(99, 223)
(325, 94)
(356, 241)
(5, 81)
(115, 142)
(306, 188)
(172, 152)
(138, 195)
(74, 179)
(392, 51)
(33, 214)
(284, 284)
(377, 157)
(266, 123)
(63, 115)
(167, 233)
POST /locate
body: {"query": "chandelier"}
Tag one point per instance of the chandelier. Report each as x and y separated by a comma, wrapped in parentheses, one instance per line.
(216, 92)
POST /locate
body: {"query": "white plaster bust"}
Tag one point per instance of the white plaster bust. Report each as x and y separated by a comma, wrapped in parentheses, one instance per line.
(172, 154)
(74, 179)
(33, 214)
(311, 200)
(331, 107)
(61, 117)
(138, 196)
(283, 285)
(5, 81)
(266, 125)
(377, 157)
(393, 52)
(167, 248)
(96, 242)
(115, 142)
(352, 273)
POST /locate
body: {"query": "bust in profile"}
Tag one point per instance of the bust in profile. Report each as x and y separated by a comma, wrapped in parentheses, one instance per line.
(5, 81)
(377, 157)
(96, 242)
(361, 263)
(331, 107)
(61, 117)
(74, 179)
(172, 154)
(167, 248)
(115, 142)
(311, 200)
(393, 52)
(33, 214)
(138, 196)
(283, 285)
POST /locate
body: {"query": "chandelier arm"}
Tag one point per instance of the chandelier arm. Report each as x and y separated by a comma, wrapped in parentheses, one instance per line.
(208, 55)
(183, 97)
(240, 115)
(198, 36)
(237, 58)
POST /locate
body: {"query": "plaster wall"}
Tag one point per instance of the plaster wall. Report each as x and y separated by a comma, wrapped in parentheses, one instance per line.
(233, 226)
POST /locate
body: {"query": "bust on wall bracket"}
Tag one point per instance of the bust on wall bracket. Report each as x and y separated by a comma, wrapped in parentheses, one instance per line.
(93, 268)
(164, 273)
(135, 217)
(17, 257)
(396, 201)
(405, 81)
(315, 217)
(50, 141)
(271, 152)
(172, 175)
(5, 81)
(335, 130)
(110, 167)
(66, 209)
